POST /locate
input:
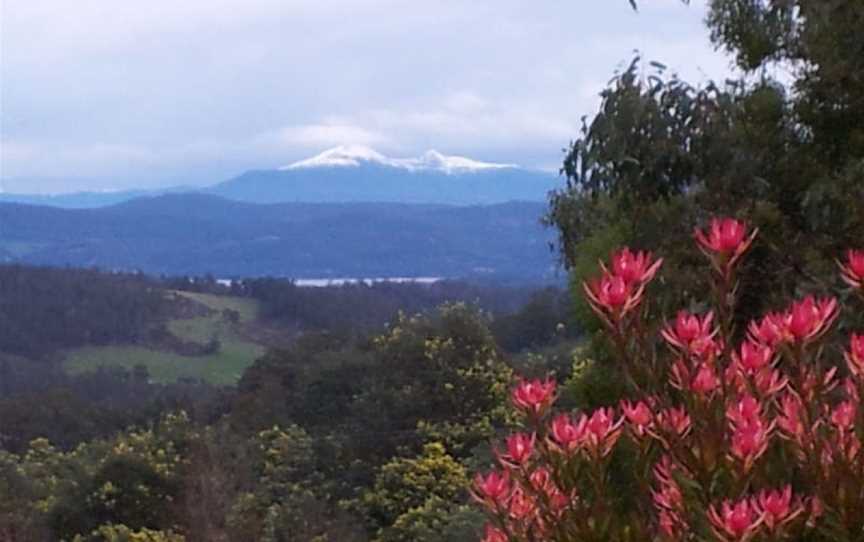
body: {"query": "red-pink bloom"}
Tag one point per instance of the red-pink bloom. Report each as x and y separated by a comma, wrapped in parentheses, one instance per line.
(747, 410)
(493, 489)
(705, 381)
(768, 331)
(689, 332)
(790, 420)
(639, 416)
(725, 242)
(540, 479)
(567, 435)
(493, 534)
(753, 357)
(519, 448)
(777, 507)
(853, 269)
(521, 505)
(610, 292)
(749, 442)
(769, 381)
(620, 290)
(558, 501)
(750, 435)
(602, 431)
(725, 235)
(634, 267)
(534, 396)
(735, 521)
(855, 355)
(843, 416)
(753, 364)
(809, 319)
(673, 422)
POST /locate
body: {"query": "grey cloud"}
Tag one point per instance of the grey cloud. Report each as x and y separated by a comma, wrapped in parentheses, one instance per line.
(158, 92)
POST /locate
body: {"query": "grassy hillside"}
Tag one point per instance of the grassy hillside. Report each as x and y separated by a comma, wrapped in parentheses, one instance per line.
(224, 366)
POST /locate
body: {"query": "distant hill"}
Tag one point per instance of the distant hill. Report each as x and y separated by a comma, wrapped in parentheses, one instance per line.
(85, 200)
(351, 174)
(198, 233)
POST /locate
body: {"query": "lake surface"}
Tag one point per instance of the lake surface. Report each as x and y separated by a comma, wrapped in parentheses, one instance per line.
(324, 282)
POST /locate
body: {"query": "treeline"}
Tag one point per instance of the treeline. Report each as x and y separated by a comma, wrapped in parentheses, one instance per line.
(361, 306)
(335, 438)
(38, 400)
(524, 316)
(44, 309)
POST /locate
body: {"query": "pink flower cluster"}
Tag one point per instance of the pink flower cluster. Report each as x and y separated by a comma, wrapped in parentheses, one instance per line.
(731, 436)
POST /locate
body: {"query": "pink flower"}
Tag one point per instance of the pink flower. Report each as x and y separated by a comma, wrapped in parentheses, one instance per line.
(534, 396)
(843, 416)
(602, 431)
(597, 434)
(674, 422)
(809, 319)
(789, 419)
(634, 267)
(492, 489)
(746, 411)
(768, 331)
(725, 235)
(753, 357)
(521, 505)
(735, 521)
(639, 416)
(750, 434)
(705, 381)
(725, 242)
(610, 292)
(853, 270)
(493, 534)
(567, 435)
(855, 355)
(777, 507)
(540, 479)
(749, 442)
(689, 332)
(768, 381)
(620, 290)
(558, 500)
(753, 365)
(519, 448)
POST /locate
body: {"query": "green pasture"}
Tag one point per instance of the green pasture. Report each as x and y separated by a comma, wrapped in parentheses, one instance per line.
(223, 368)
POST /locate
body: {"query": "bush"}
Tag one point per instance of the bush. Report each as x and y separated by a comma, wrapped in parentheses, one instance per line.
(727, 432)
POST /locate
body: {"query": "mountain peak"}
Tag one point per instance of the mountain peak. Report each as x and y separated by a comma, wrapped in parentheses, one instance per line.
(356, 155)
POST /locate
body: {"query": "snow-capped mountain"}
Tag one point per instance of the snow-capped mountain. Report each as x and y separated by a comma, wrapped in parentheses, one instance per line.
(355, 173)
(357, 155)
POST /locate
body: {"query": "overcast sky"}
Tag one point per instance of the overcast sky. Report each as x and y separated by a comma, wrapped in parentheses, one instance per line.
(111, 94)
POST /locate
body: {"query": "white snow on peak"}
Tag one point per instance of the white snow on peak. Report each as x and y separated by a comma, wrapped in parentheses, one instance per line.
(355, 155)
